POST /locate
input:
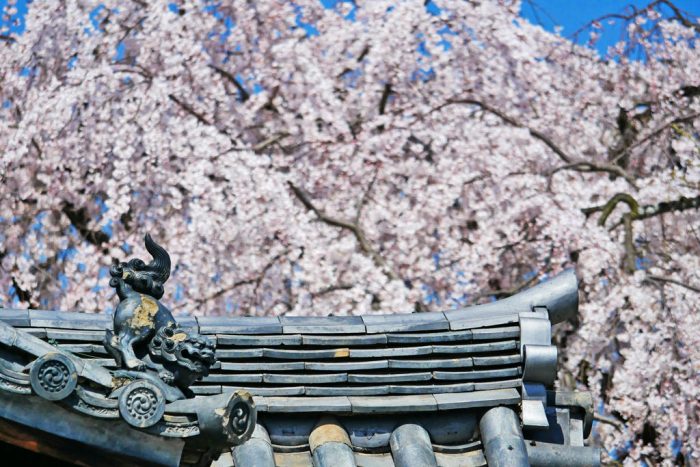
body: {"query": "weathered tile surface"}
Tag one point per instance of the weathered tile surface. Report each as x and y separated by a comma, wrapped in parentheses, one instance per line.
(239, 325)
(322, 324)
(468, 400)
(403, 322)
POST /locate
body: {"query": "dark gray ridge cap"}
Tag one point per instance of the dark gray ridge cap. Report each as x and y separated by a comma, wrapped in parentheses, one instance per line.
(346, 340)
(388, 377)
(233, 378)
(295, 378)
(475, 348)
(262, 366)
(239, 353)
(347, 365)
(258, 340)
(431, 389)
(19, 339)
(449, 430)
(391, 352)
(559, 295)
(475, 319)
(429, 338)
(406, 322)
(68, 320)
(394, 404)
(74, 335)
(385, 404)
(306, 354)
(84, 348)
(497, 360)
(322, 325)
(476, 374)
(206, 390)
(346, 390)
(338, 404)
(469, 400)
(188, 322)
(266, 392)
(371, 384)
(13, 317)
(239, 325)
(465, 362)
(508, 332)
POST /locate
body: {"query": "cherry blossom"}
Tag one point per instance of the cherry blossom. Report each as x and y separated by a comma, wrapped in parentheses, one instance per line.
(370, 157)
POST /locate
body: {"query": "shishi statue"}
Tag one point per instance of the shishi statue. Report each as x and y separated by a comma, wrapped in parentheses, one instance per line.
(146, 337)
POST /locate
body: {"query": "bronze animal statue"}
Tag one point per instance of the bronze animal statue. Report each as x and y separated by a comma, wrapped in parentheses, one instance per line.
(139, 313)
(146, 338)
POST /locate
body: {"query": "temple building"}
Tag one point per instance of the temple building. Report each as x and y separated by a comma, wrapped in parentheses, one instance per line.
(466, 387)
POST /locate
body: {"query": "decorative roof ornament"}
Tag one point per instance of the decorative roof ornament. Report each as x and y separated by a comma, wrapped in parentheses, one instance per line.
(147, 342)
(148, 387)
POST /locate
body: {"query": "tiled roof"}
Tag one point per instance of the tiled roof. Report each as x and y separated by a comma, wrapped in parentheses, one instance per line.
(379, 390)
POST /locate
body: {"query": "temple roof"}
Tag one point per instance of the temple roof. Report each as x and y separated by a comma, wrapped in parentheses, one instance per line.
(367, 388)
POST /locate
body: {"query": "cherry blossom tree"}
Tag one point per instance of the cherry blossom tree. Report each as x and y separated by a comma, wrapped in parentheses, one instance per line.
(323, 158)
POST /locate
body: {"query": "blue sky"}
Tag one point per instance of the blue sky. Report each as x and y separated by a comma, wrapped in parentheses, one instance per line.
(572, 15)
(569, 14)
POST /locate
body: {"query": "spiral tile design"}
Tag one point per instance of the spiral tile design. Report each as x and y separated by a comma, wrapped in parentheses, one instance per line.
(142, 404)
(240, 417)
(53, 376)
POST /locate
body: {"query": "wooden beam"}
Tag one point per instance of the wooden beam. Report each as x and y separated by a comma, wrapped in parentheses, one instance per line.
(59, 448)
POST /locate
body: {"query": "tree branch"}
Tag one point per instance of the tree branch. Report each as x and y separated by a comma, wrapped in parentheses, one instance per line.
(505, 293)
(682, 18)
(609, 421)
(135, 68)
(245, 95)
(511, 121)
(257, 280)
(630, 258)
(365, 197)
(276, 138)
(571, 162)
(385, 98)
(78, 217)
(609, 207)
(595, 167)
(187, 108)
(630, 250)
(673, 281)
(656, 132)
(353, 227)
(35, 144)
(637, 213)
(333, 288)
